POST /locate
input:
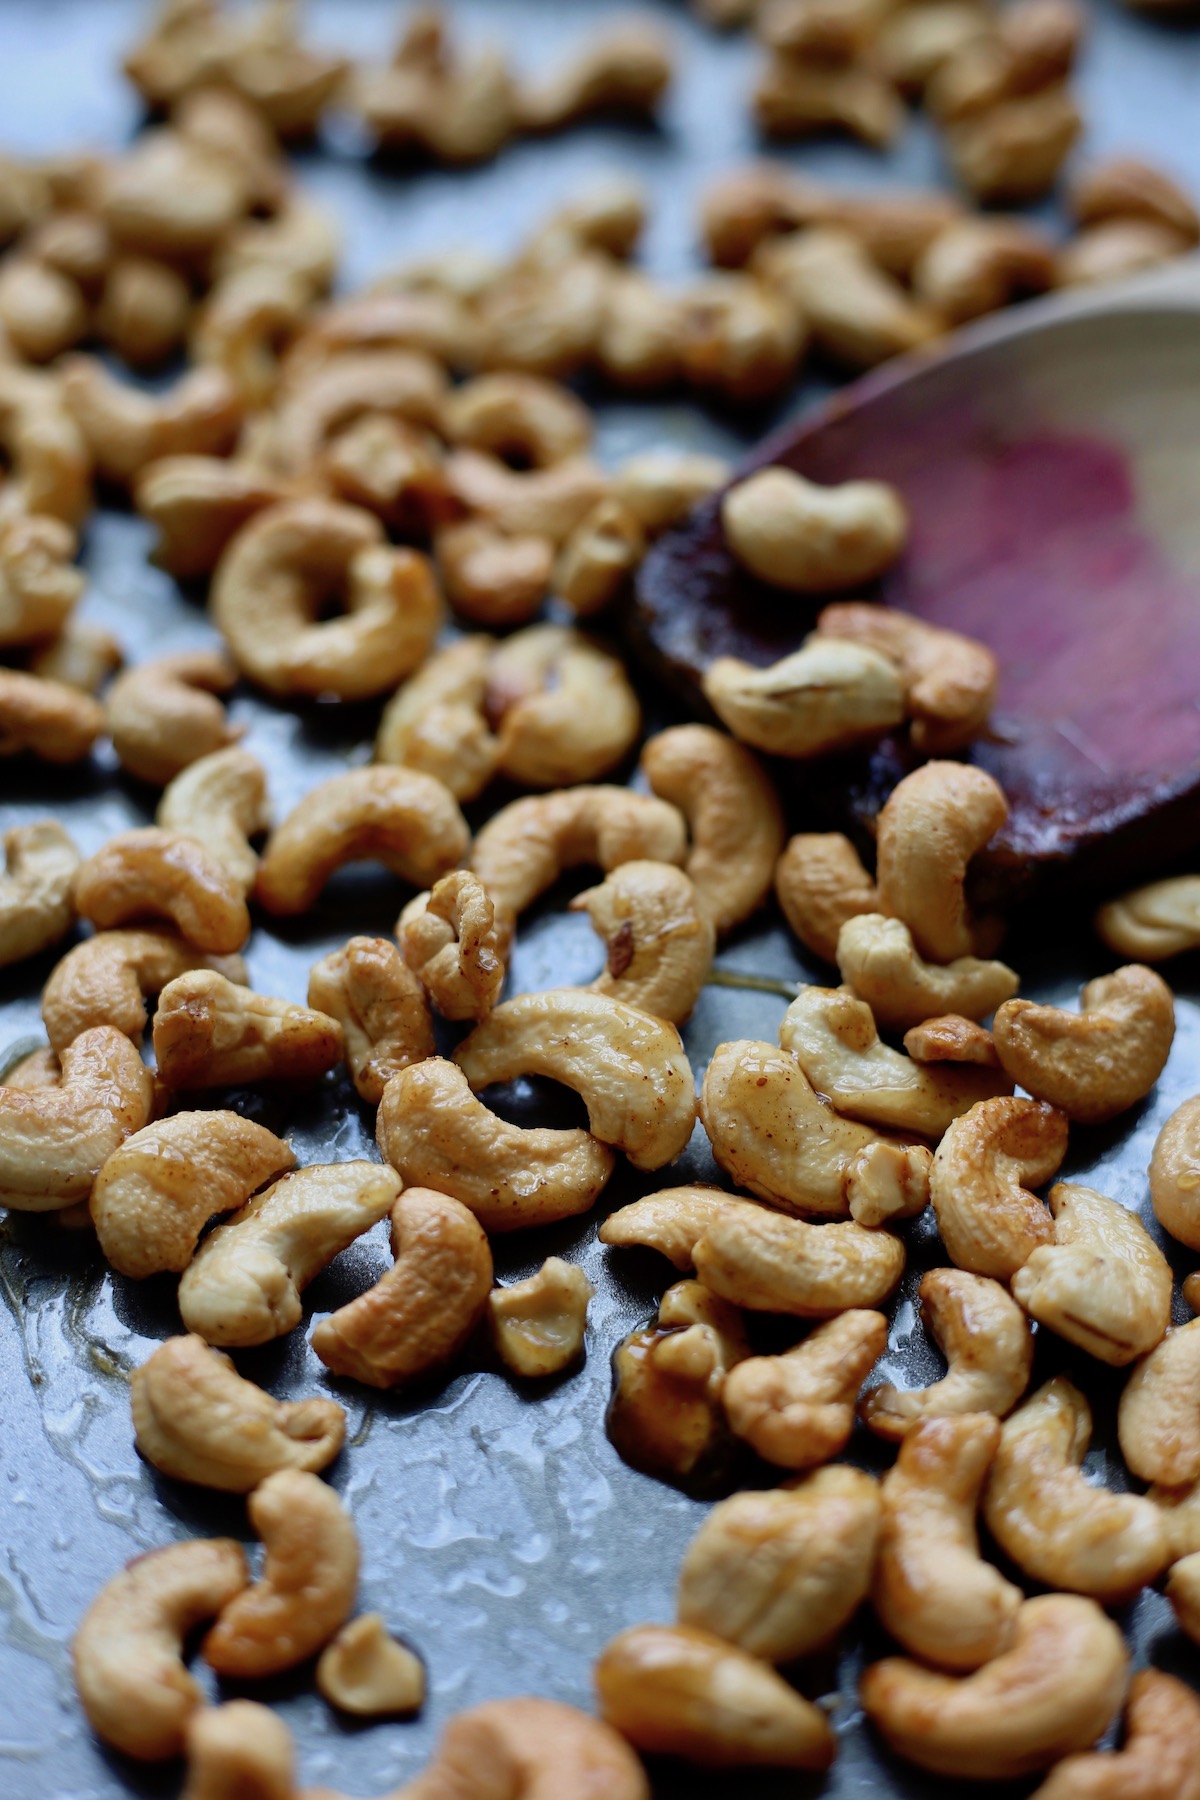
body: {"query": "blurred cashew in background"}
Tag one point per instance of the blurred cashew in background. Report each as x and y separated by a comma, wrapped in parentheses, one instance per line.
(932, 824)
(951, 679)
(987, 1343)
(810, 539)
(771, 1263)
(826, 696)
(1154, 922)
(659, 938)
(1099, 1061)
(538, 1325)
(164, 714)
(1175, 1174)
(222, 800)
(797, 1410)
(239, 1746)
(50, 720)
(126, 428)
(107, 979)
(562, 708)
(381, 1007)
(54, 1140)
(820, 883)
(1103, 1283)
(435, 721)
(39, 585)
(877, 958)
(36, 905)
(660, 487)
(989, 1221)
(1160, 1755)
(198, 504)
(526, 846)
(150, 873)
(455, 944)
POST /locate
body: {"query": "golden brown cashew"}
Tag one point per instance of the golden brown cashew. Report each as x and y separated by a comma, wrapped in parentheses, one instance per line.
(1055, 1525)
(858, 313)
(797, 1409)
(1183, 1591)
(364, 1671)
(323, 399)
(876, 957)
(780, 1573)
(1057, 1689)
(658, 935)
(151, 873)
(82, 656)
(165, 714)
(1175, 1174)
(629, 1068)
(211, 1033)
(733, 816)
(562, 708)
(1103, 1283)
(39, 585)
(238, 1748)
(989, 1221)
(598, 558)
(196, 1419)
(951, 679)
(55, 1140)
(154, 1196)
(933, 823)
(36, 908)
(143, 310)
(128, 1650)
(42, 311)
(932, 1590)
(736, 336)
(671, 1221)
(408, 822)
(1120, 187)
(770, 1263)
(125, 428)
(46, 718)
(171, 196)
(222, 800)
(544, 503)
(810, 539)
(825, 696)
(665, 1414)
(107, 979)
(381, 1007)
(627, 68)
(951, 1038)
(1158, 1421)
(523, 848)
(306, 1589)
(1099, 1061)
(678, 1691)
(513, 415)
(420, 1314)
(1159, 1760)
(435, 1133)
(660, 487)
(245, 323)
(538, 1325)
(1153, 922)
(197, 504)
(453, 941)
(490, 578)
(821, 884)
(280, 568)
(986, 1340)
(50, 463)
(435, 722)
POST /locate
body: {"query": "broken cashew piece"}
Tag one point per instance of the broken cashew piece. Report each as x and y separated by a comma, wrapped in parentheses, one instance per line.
(771, 1263)
(797, 1410)
(953, 1039)
(1159, 1759)
(107, 979)
(210, 1033)
(381, 1007)
(932, 824)
(458, 948)
(1183, 1591)
(163, 715)
(1153, 922)
(238, 1748)
(36, 908)
(1175, 1175)
(1103, 1283)
(222, 800)
(151, 873)
(524, 848)
(665, 1414)
(826, 696)
(820, 883)
(1158, 1420)
(538, 1325)
(658, 935)
(54, 1141)
(877, 958)
(1097, 1062)
(810, 539)
(989, 1221)
(365, 1672)
(951, 679)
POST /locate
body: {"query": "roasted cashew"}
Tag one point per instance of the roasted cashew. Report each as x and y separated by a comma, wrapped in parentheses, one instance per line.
(408, 822)
(244, 324)
(55, 1140)
(1158, 1421)
(196, 1419)
(736, 336)
(50, 464)
(978, 265)
(1013, 151)
(198, 503)
(381, 1007)
(1122, 188)
(1055, 1690)
(660, 487)
(1153, 922)
(658, 936)
(678, 1691)
(238, 1748)
(151, 873)
(39, 584)
(1047, 1516)
(625, 69)
(492, 578)
(665, 1414)
(284, 563)
(210, 1032)
(770, 1263)
(524, 848)
(546, 503)
(671, 1221)
(820, 883)
(143, 310)
(320, 401)
(538, 1325)
(780, 1573)
(733, 816)
(1159, 1760)
(598, 558)
(46, 718)
(951, 1038)
(125, 428)
(562, 709)
(163, 715)
(107, 979)
(931, 826)
(455, 944)
(932, 1590)
(987, 1343)
(82, 656)
(797, 1409)
(410, 309)
(1183, 1591)
(420, 1314)
(876, 957)
(154, 1195)
(306, 1589)
(300, 237)
(825, 696)
(435, 721)
(1175, 1174)
(36, 908)
(516, 416)
(365, 1672)
(951, 679)
(810, 539)
(1115, 248)
(222, 800)
(859, 314)
(128, 1650)
(42, 311)
(1103, 1283)
(172, 197)
(989, 1221)
(629, 1068)
(1095, 1063)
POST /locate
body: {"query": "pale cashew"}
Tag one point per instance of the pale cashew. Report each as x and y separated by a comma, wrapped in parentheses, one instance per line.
(364, 1671)
(143, 310)
(1095, 1063)
(1055, 1690)
(820, 883)
(1158, 1421)
(392, 468)
(858, 312)
(770, 1263)
(322, 400)
(546, 503)
(876, 957)
(163, 715)
(976, 266)
(36, 908)
(1153, 922)
(55, 1140)
(810, 539)
(243, 1285)
(989, 1221)
(625, 69)
(492, 578)
(306, 1589)
(435, 722)
(222, 800)
(238, 1748)
(523, 848)
(987, 1343)
(1183, 1591)
(832, 1036)
(658, 935)
(42, 311)
(1046, 1515)
(154, 1195)
(513, 415)
(51, 465)
(381, 1007)
(737, 336)
(678, 1691)
(281, 566)
(733, 816)
(797, 1409)
(951, 1038)
(420, 1314)
(665, 1414)
(407, 821)
(300, 237)
(151, 873)
(1159, 1760)
(825, 696)
(82, 656)
(460, 108)
(209, 1032)
(796, 96)
(671, 1221)
(198, 503)
(1175, 1174)
(660, 487)
(1122, 188)
(932, 1590)
(435, 1133)
(1103, 1283)
(125, 428)
(196, 1419)
(1115, 248)
(46, 718)
(931, 826)
(950, 679)
(538, 1325)
(39, 585)
(412, 308)
(629, 1068)
(562, 709)
(128, 1650)
(107, 979)
(598, 558)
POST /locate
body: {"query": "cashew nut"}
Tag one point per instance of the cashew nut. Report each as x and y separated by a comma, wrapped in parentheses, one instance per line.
(1046, 1515)
(1103, 1283)
(625, 69)
(1159, 1760)
(36, 908)
(243, 1286)
(525, 847)
(319, 401)
(453, 941)
(151, 873)
(128, 1650)
(660, 487)
(238, 1748)
(222, 800)
(598, 558)
(976, 266)
(1153, 922)
(381, 1007)
(951, 1038)
(1175, 1174)
(665, 1415)
(82, 656)
(211, 1033)
(1158, 1421)
(50, 463)
(671, 1221)
(1099, 1061)
(198, 504)
(1120, 187)
(154, 1195)
(931, 826)
(408, 822)
(987, 1343)
(810, 539)
(196, 1419)
(544, 503)
(165, 714)
(770, 1263)
(46, 718)
(797, 1409)
(364, 1671)
(876, 957)
(514, 415)
(859, 314)
(490, 577)
(39, 585)
(55, 1140)
(125, 428)
(989, 1221)
(435, 722)
(1012, 152)
(1183, 1591)
(143, 310)
(538, 1325)
(825, 696)
(561, 707)
(821, 884)
(796, 96)
(420, 1314)
(107, 979)
(658, 936)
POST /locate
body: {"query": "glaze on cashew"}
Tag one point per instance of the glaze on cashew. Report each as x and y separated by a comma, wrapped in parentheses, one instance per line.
(877, 958)
(54, 1141)
(665, 1414)
(538, 1325)
(1099, 1061)
(659, 938)
(986, 1341)
(163, 715)
(365, 1672)
(797, 1410)
(525, 847)
(820, 883)
(950, 679)
(771, 1263)
(211, 1033)
(810, 539)
(36, 906)
(381, 1006)
(933, 823)
(456, 945)
(1175, 1174)
(221, 799)
(824, 697)
(1159, 1759)
(1154, 922)
(1103, 1283)
(150, 873)
(671, 1221)
(989, 1221)
(107, 979)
